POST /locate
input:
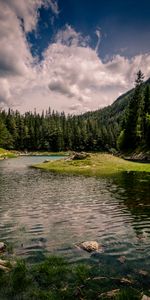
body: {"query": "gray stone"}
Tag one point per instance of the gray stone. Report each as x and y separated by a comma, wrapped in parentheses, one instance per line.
(2, 246)
(89, 246)
(122, 259)
(145, 297)
(110, 294)
(78, 156)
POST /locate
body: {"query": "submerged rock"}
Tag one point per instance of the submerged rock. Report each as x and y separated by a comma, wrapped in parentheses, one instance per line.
(109, 294)
(143, 272)
(3, 265)
(145, 297)
(90, 246)
(2, 246)
(126, 280)
(122, 259)
(3, 268)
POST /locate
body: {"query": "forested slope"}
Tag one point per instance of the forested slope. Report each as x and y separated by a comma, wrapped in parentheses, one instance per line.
(93, 131)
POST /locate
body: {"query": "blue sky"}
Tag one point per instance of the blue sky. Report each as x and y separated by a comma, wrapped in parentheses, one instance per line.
(125, 25)
(71, 55)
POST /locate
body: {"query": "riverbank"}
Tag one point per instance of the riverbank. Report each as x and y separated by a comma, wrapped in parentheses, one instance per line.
(138, 157)
(14, 153)
(98, 164)
(7, 154)
(43, 153)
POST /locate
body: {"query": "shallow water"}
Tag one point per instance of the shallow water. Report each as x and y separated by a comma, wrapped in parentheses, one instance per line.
(41, 212)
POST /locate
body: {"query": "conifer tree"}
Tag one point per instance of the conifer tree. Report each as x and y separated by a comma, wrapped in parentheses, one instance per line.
(133, 126)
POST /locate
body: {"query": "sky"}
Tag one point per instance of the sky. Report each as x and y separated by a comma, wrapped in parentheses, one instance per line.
(71, 55)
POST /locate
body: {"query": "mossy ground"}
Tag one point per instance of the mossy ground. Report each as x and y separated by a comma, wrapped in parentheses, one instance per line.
(54, 278)
(98, 164)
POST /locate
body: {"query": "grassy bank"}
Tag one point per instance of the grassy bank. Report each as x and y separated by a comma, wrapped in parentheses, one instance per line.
(56, 279)
(95, 165)
(6, 154)
(44, 153)
(10, 154)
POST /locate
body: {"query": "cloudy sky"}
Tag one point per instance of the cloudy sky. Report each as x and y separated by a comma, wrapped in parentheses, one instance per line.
(71, 55)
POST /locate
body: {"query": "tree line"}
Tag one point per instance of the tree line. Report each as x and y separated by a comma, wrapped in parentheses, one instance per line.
(135, 125)
(124, 125)
(52, 131)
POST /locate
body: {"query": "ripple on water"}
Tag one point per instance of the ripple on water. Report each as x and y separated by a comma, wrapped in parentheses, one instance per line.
(40, 211)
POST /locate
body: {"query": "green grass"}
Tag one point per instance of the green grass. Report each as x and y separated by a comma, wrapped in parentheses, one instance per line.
(6, 153)
(54, 278)
(98, 164)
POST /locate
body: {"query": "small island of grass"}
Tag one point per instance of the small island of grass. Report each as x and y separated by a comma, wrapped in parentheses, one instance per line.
(97, 164)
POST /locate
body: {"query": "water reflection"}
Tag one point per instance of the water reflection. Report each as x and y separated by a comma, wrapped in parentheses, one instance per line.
(134, 190)
(41, 212)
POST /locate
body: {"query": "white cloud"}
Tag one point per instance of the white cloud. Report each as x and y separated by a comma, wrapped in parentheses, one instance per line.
(4, 91)
(69, 37)
(71, 77)
(54, 6)
(27, 10)
(87, 83)
(98, 34)
(17, 17)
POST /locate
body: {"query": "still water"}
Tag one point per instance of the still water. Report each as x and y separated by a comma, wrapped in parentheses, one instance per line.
(41, 212)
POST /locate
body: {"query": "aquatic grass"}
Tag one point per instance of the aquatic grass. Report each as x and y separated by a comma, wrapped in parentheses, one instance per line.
(55, 278)
(128, 294)
(98, 164)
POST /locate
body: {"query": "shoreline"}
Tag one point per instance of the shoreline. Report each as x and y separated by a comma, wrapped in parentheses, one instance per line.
(4, 154)
(97, 164)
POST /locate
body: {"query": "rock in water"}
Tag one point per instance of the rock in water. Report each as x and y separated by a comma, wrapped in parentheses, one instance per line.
(110, 294)
(3, 262)
(122, 259)
(3, 268)
(90, 246)
(2, 246)
(145, 297)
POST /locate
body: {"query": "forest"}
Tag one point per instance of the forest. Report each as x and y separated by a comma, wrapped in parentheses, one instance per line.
(124, 126)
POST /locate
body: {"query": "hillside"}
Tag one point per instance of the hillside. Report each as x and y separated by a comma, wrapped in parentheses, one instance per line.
(113, 112)
(112, 116)
(116, 110)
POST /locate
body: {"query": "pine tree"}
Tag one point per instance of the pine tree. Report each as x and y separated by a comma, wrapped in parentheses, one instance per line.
(147, 116)
(133, 125)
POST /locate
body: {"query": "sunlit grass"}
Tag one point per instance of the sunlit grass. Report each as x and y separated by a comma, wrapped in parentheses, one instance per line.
(6, 153)
(99, 164)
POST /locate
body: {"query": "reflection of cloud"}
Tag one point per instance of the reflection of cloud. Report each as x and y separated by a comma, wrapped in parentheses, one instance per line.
(63, 212)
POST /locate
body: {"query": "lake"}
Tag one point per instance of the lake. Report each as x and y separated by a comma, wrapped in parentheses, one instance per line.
(42, 213)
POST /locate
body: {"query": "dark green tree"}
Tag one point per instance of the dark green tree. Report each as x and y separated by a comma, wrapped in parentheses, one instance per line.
(133, 125)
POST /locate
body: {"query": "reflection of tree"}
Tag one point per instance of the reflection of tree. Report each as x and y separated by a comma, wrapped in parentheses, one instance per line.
(134, 191)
